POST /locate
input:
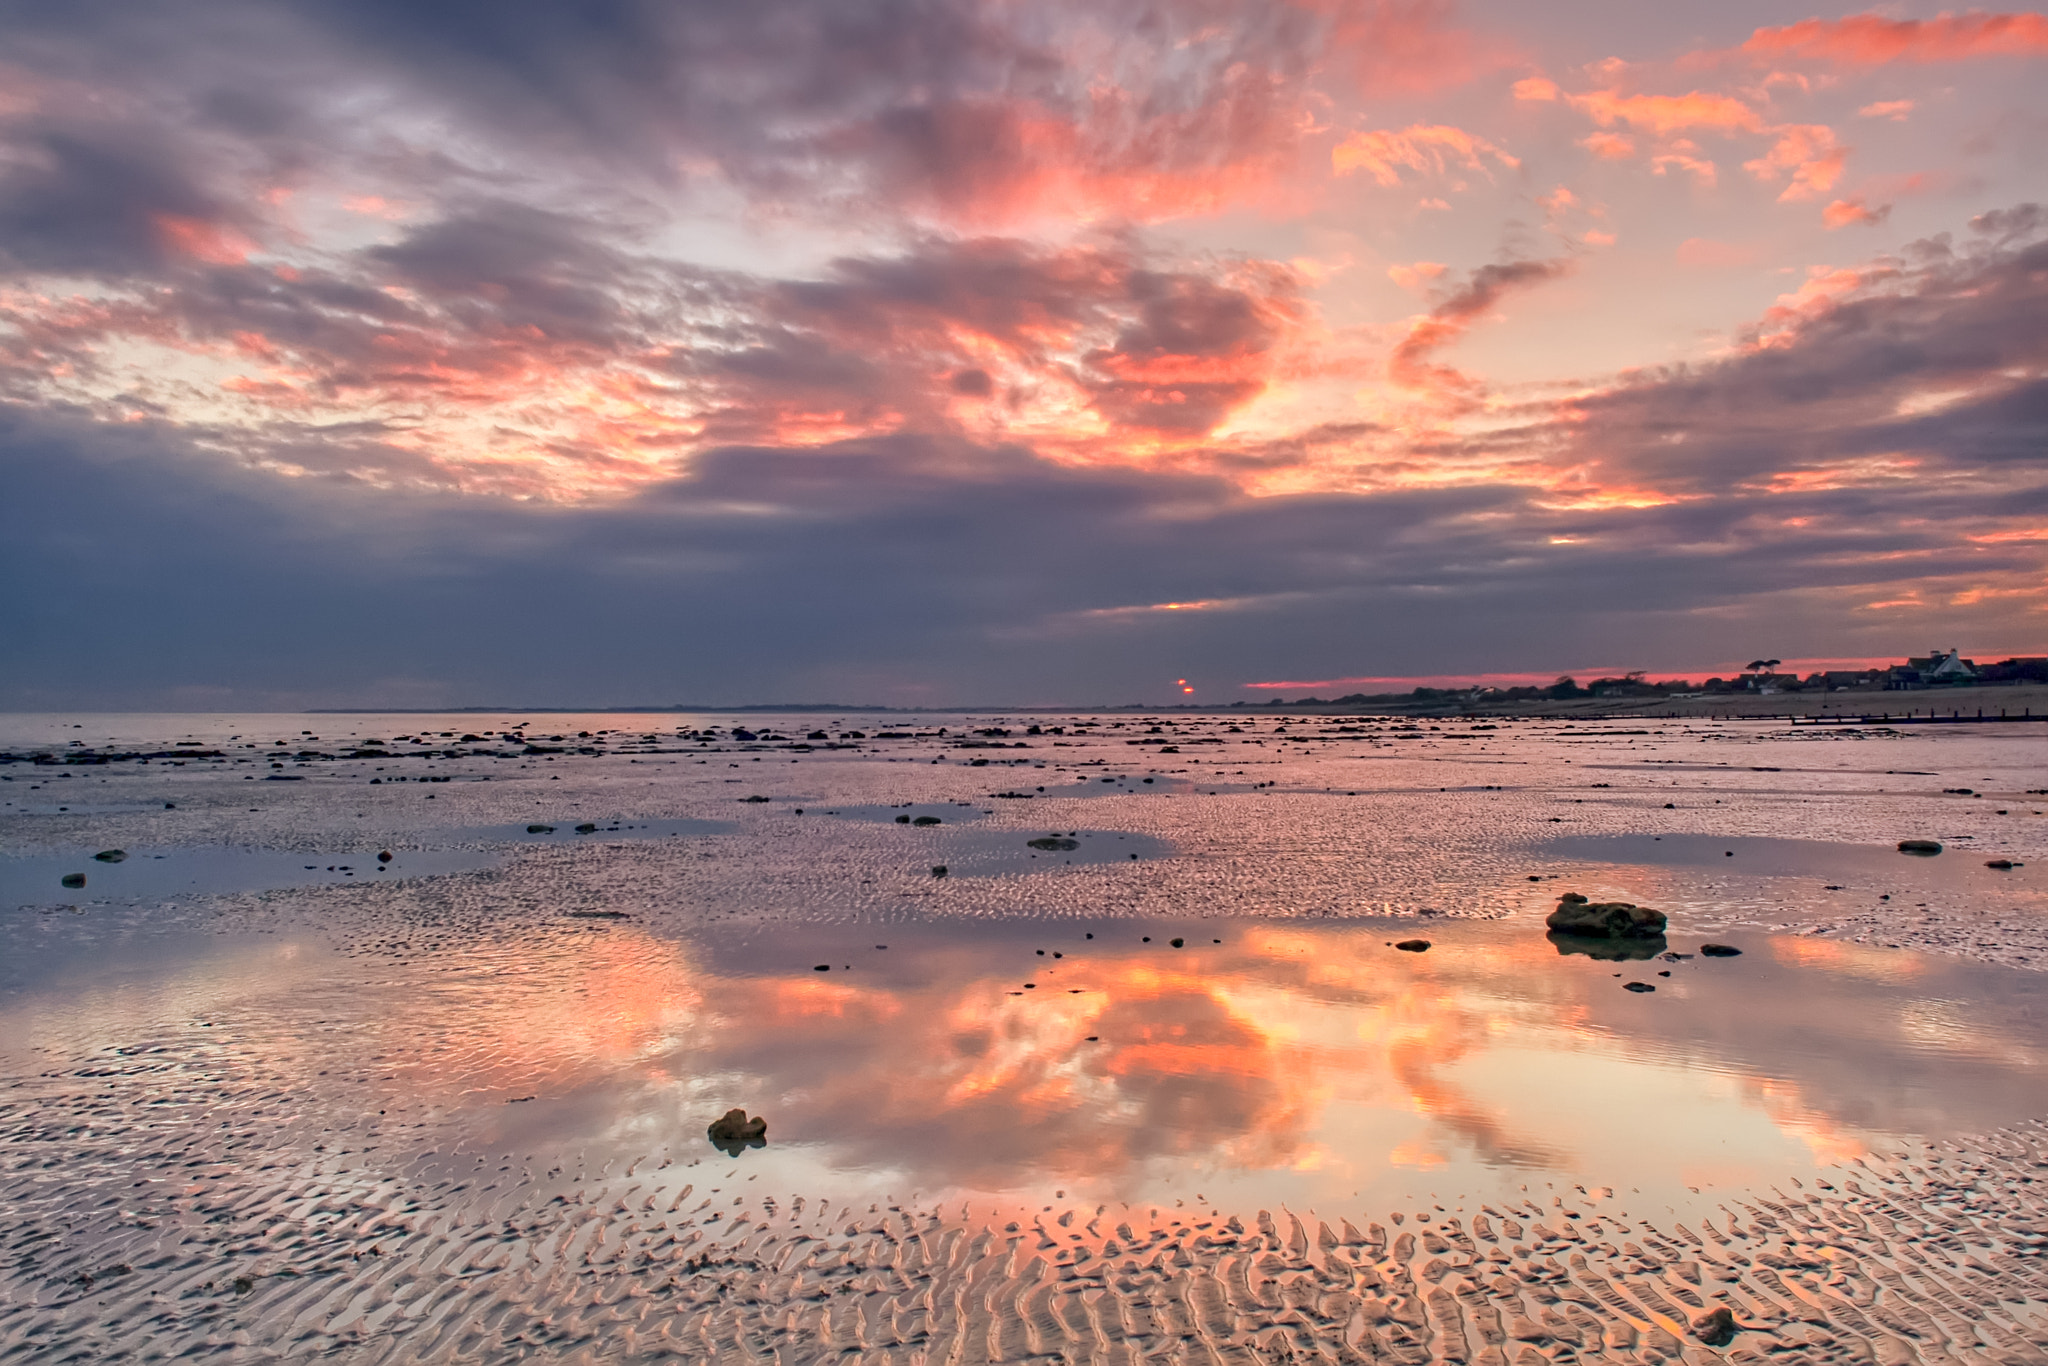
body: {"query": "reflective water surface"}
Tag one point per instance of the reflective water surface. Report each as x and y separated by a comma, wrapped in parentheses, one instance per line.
(1250, 1064)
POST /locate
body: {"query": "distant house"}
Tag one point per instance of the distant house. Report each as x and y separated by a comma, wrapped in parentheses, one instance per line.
(1941, 668)
(1835, 680)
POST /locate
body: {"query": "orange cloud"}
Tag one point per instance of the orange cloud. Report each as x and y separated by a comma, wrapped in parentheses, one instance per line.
(1844, 212)
(1895, 110)
(1809, 152)
(1869, 40)
(1431, 149)
(1668, 113)
(1609, 146)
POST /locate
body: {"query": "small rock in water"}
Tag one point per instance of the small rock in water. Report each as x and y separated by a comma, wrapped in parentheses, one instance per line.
(1919, 846)
(926, 820)
(73, 880)
(384, 856)
(540, 829)
(1053, 843)
(1604, 919)
(1720, 951)
(111, 855)
(1177, 943)
(586, 828)
(938, 870)
(1716, 1328)
(1637, 986)
(1413, 946)
(732, 1132)
(753, 800)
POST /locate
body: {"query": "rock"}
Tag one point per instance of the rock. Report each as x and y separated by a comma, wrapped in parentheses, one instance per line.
(926, 820)
(903, 820)
(111, 855)
(597, 915)
(753, 801)
(1716, 1328)
(1720, 951)
(938, 870)
(1919, 846)
(586, 828)
(1053, 843)
(384, 856)
(733, 1132)
(2004, 865)
(73, 880)
(1604, 919)
(1637, 986)
(1413, 946)
(540, 829)
(1177, 943)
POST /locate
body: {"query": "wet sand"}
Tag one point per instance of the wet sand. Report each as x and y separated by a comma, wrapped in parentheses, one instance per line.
(245, 1162)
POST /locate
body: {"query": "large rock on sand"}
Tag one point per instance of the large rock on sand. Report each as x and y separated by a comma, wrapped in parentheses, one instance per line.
(1605, 919)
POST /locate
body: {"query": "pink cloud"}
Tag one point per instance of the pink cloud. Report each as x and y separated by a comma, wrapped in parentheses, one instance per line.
(1844, 212)
(1428, 149)
(1870, 40)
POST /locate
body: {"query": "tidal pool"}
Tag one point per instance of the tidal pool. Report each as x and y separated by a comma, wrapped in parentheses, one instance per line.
(1251, 1064)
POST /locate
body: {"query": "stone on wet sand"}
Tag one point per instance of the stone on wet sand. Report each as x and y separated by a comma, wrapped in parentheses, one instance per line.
(1919, 846)
(1716, 1327)
(1720, 951)
(733, 1132)
(1637, 986)
(1053, 843)
(1413, 946)
(1604, 919)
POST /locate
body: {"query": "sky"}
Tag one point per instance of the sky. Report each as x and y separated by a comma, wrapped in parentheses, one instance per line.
(975, 352)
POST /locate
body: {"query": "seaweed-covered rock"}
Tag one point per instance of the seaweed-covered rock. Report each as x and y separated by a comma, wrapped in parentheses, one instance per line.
(1605, 919)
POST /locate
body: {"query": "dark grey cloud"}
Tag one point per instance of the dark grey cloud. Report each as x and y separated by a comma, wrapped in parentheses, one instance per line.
(1933, 365)
(897, 569)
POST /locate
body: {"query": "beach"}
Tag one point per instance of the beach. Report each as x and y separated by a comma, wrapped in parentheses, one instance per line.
(1139, 1075)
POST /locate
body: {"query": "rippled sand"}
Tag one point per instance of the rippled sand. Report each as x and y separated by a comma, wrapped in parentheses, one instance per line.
(294, 1123)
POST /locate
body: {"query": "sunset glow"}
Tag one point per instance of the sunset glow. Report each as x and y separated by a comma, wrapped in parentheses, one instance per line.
(1305, 340)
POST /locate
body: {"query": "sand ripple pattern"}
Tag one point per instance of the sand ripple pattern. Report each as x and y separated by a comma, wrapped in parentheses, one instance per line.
(230, 1230)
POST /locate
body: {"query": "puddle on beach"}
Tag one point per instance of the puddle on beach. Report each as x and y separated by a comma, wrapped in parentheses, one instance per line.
(1293, 1065)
